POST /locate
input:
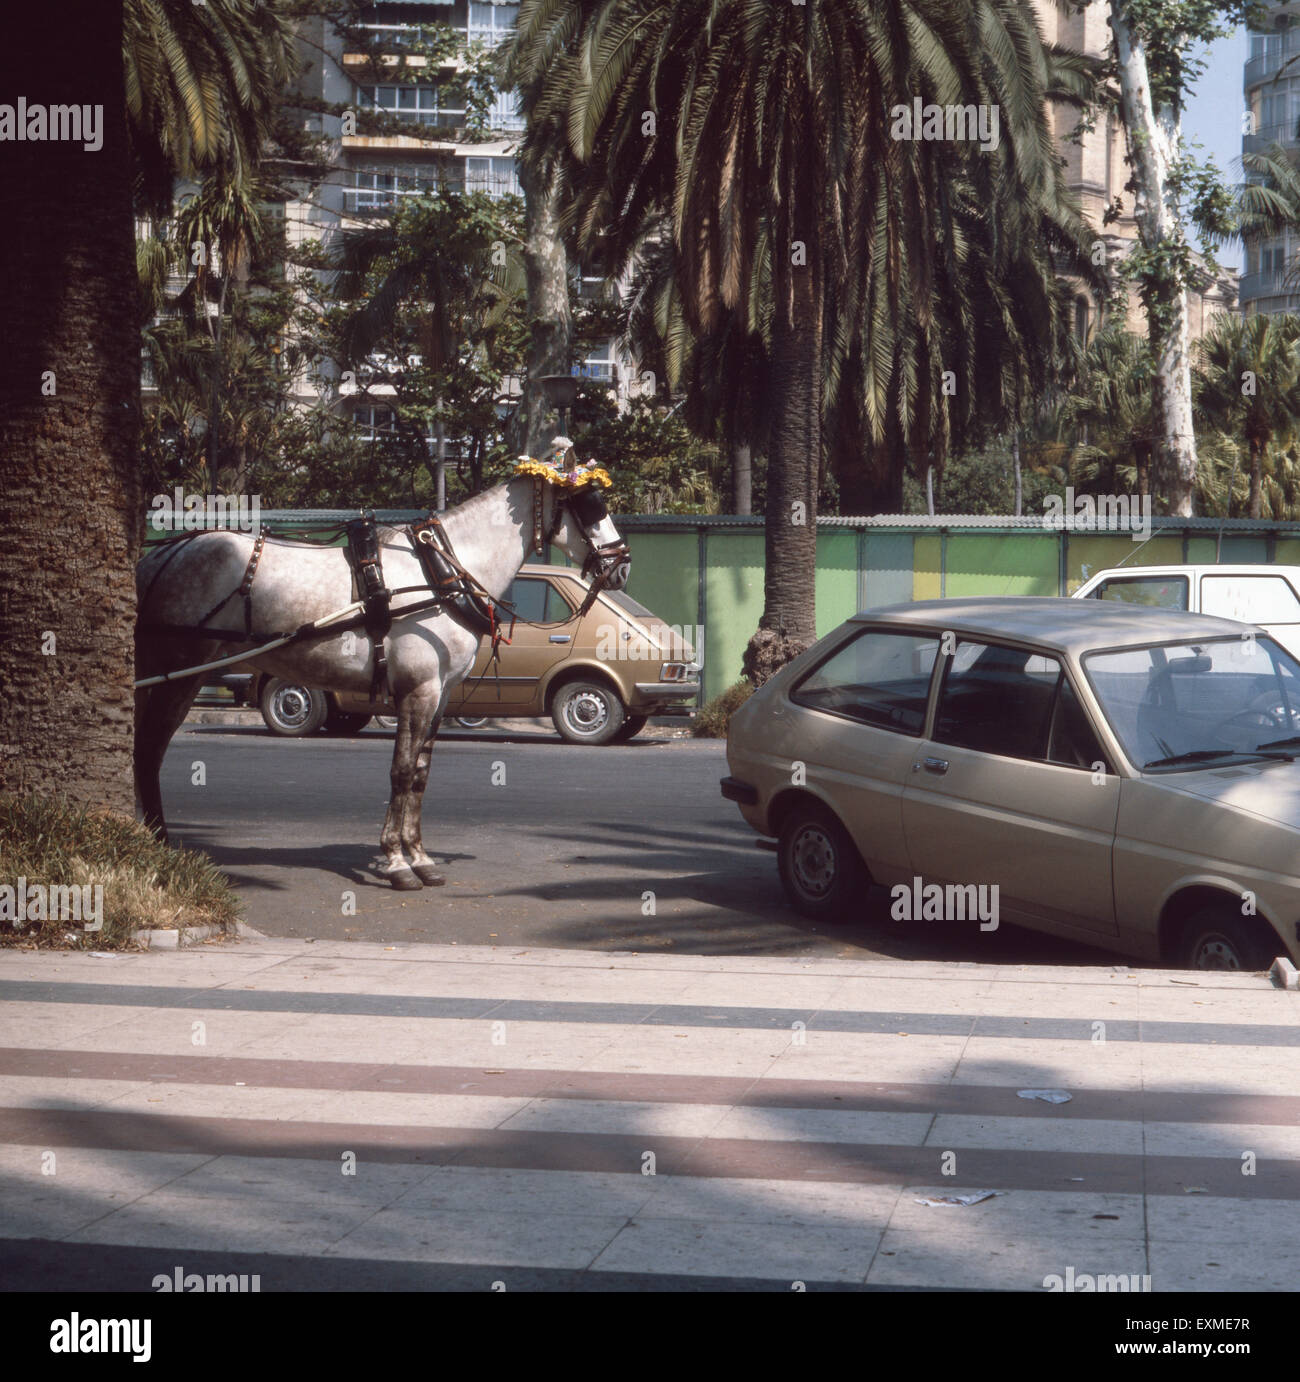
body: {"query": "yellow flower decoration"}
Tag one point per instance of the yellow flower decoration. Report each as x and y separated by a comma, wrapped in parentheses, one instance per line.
(590, 474)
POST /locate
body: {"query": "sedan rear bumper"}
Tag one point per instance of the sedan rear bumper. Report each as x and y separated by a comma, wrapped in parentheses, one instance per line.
(667, 690)
(736, 790)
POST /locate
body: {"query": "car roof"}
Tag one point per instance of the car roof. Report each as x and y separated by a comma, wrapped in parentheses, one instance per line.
(1070, 626)
(1201, 569)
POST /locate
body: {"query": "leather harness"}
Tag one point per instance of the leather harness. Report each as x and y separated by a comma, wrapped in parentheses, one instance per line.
(452, 588)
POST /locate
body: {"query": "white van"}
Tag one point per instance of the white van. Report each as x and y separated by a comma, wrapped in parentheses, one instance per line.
(1265, 595)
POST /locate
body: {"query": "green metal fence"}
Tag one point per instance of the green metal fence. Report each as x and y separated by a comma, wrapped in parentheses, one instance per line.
(704, 575)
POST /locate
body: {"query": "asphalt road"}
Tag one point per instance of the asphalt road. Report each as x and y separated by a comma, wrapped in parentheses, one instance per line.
(619, 848)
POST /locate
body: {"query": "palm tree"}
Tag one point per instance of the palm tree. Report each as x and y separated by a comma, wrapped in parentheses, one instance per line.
(1111, 411)
(768, 133)
(1248, 379)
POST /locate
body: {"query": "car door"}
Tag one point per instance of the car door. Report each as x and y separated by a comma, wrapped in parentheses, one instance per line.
(1266, 599)
(1008, 792)
(531, 652)
(865, 705)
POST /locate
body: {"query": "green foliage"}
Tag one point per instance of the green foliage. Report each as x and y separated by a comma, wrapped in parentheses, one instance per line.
(656, 464)
(146, 884)
(712, 720)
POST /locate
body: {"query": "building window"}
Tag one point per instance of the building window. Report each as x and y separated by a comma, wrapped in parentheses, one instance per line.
(598, 364)
(498, 177)
(491, 24)
(441, 104)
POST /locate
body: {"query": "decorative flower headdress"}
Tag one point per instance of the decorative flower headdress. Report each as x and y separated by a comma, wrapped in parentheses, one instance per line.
(558, 471)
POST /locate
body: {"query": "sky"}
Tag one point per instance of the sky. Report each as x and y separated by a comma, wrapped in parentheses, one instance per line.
(1213, 117)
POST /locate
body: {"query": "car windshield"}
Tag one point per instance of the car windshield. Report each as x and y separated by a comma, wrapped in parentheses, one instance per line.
(1183, 705)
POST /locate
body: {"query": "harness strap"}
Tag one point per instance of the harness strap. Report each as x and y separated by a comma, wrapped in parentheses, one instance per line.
(363, 553)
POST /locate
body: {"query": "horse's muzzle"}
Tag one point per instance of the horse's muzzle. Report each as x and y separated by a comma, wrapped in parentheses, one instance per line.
(612, 564)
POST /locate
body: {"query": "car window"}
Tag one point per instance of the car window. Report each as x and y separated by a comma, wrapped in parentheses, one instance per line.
(1254, 599)
(1072, 741)
(1160, 592)
(882, 679)
(530, 597)
(997, 700)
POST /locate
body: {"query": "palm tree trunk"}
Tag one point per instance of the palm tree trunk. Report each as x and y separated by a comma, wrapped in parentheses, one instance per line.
(546, 271)
(794, 454)
(71, 515)
(742, 477)
(1256, 477)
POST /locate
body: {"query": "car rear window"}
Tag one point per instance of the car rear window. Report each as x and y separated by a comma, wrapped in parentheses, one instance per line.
(1254, 599)
(881, 679)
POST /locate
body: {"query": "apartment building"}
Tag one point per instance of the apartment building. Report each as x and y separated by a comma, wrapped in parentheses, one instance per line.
(1271, 281)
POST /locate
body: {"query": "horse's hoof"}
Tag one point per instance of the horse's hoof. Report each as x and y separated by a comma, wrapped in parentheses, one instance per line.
(428, 875)
(405, 881)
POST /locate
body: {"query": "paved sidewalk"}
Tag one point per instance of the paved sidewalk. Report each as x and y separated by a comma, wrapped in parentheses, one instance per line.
(360, 1116)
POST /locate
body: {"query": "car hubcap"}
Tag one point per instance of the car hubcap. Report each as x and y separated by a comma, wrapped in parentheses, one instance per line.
(813, 861)
(1216, 952)
(587, 712)
(291, 706)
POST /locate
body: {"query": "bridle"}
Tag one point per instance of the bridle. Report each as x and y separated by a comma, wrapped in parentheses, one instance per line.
(588, 511)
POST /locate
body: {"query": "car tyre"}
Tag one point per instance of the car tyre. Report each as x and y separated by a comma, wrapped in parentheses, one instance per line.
(821, 870)
(1217, 938)
(469, 721)
(587, 712)
(630, 728)
(291, 709)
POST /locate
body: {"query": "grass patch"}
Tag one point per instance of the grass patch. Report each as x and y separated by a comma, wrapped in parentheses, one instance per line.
(54, 844)
(712, 719)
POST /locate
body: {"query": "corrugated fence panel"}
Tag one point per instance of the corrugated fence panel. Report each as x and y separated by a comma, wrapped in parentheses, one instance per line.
(837, 578)
(733, 602)
(1001, 564)
(1089, 553)
(886, 570)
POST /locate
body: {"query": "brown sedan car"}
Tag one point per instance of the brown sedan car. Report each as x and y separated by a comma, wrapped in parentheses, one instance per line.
(599, 678)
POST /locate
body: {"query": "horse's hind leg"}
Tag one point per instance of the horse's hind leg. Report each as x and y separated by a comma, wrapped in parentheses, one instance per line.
(159, 713)
(415, 711)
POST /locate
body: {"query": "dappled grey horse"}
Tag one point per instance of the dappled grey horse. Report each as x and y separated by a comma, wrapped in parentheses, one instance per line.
(429, 651)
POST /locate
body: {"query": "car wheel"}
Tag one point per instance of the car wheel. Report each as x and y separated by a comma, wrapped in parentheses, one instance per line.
(345, 721)
(291, 709)
(386, 721)
(821, 870)
(469, 721)
(1216, 938)
(630, 728)
(587, 712)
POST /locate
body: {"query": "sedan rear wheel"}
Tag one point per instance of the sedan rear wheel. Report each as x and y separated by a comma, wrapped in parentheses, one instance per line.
(821, 870)
(1216, 938)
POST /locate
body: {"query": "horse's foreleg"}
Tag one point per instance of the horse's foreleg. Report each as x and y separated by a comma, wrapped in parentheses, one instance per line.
(421, 865)
(415, 711)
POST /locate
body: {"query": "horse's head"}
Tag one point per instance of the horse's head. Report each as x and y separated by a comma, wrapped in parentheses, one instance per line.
(570, 511)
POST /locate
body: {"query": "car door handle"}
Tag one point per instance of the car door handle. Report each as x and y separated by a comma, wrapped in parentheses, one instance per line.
(561, 637)
(932, 765)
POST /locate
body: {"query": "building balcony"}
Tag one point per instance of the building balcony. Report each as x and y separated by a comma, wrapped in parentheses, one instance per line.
(1266, 135)
(1284, 283)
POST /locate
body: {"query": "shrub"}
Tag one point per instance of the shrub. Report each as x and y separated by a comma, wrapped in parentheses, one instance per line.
(712, 719)
(50, 842)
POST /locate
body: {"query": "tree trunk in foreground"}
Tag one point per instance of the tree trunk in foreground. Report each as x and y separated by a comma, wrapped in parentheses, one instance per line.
(70, 503)
(546, 271)
(1153, 142)
(794, 455)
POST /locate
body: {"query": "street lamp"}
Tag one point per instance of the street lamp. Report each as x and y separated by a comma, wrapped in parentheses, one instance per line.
(561, 392)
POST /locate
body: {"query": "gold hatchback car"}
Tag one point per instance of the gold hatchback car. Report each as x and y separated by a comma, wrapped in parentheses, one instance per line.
(598, 678)
(1109, 773)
